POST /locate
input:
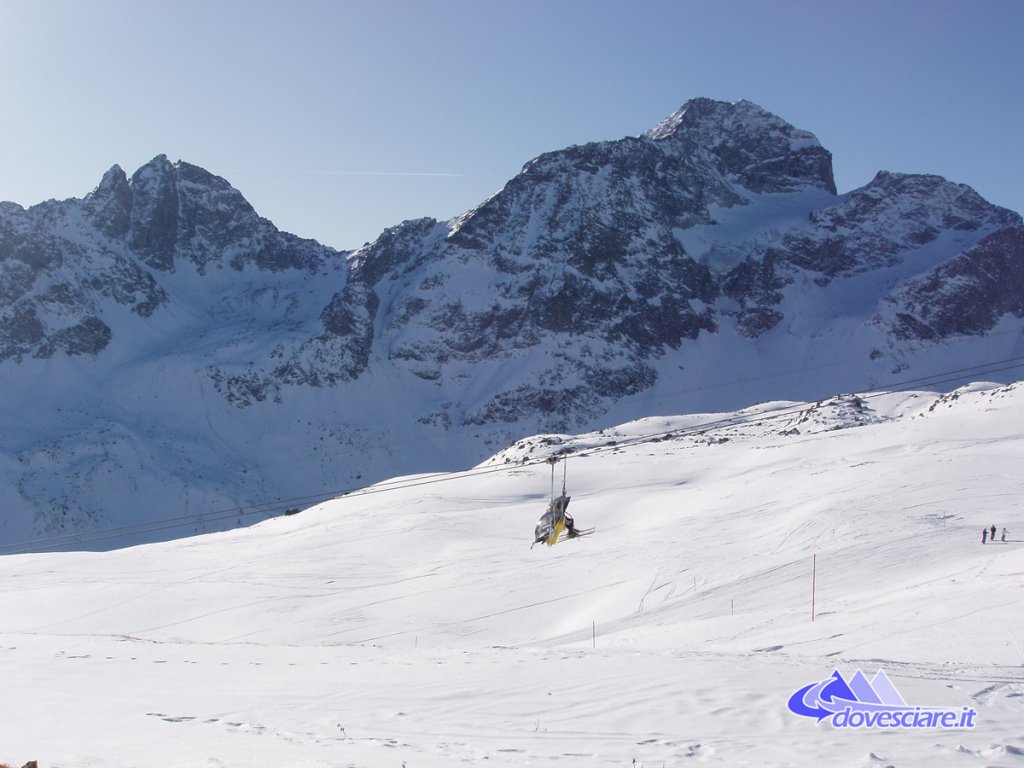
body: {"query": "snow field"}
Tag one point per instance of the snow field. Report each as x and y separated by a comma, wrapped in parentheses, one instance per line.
(416, 625)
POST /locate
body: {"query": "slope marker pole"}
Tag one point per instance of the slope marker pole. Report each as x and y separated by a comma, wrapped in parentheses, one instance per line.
(814, 574)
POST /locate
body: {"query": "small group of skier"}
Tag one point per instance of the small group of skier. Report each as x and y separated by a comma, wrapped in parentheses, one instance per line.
(989, 534)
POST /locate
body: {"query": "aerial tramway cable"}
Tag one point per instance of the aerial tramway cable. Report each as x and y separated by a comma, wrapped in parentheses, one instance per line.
(54, 542)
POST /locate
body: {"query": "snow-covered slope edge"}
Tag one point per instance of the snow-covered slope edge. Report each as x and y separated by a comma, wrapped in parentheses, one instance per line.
(412, 622)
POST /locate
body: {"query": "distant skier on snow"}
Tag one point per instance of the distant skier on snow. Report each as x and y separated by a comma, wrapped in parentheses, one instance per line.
(993, 529)
(984, 535)
(1003, 536)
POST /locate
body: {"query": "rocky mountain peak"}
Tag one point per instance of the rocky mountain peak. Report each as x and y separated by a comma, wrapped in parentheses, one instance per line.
(761, 150)
(155, 213)
(599, 196)
(68, 268)
(181, 212)
(112, 182)
(701, 115)
(157, 167)
(110, 204)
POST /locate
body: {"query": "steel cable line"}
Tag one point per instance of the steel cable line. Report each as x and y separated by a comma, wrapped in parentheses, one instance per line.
(449, 434)
(406, 482)
(402, 483)
(151, 526)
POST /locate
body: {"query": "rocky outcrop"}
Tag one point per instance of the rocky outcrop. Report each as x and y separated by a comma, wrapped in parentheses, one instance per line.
(965, 296)
(66, 265)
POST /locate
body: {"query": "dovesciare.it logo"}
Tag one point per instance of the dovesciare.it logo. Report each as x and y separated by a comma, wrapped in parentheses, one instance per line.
(857, 703)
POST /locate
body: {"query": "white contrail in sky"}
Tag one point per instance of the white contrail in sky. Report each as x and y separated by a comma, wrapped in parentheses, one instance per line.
(381, 173)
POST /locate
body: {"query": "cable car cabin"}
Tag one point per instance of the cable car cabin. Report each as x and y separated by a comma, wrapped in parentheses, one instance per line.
(553, 522)
(556, 523)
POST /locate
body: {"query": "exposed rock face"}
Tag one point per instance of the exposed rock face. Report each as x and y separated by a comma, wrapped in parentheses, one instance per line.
(587, 252)
(743, 142)
(580, 251)
(65, 264)
(872, 228)
(965, 296)
(711, 249)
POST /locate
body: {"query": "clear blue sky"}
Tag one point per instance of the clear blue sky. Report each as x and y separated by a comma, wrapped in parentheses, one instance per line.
(337, 119)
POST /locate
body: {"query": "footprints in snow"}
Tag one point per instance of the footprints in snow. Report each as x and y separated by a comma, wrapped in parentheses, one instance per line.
(696, 751)
(234, 726)
(255, 729)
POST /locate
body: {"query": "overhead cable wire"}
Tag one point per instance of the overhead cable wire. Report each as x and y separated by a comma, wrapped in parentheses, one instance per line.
(745, 416)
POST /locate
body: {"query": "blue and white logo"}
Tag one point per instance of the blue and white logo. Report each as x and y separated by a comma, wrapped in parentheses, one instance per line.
(857, 703)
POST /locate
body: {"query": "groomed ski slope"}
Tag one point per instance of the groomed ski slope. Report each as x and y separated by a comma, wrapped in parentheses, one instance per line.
(412, 624)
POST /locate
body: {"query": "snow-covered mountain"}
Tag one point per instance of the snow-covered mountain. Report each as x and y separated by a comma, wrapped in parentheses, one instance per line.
(167, 354)
(411, 623)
